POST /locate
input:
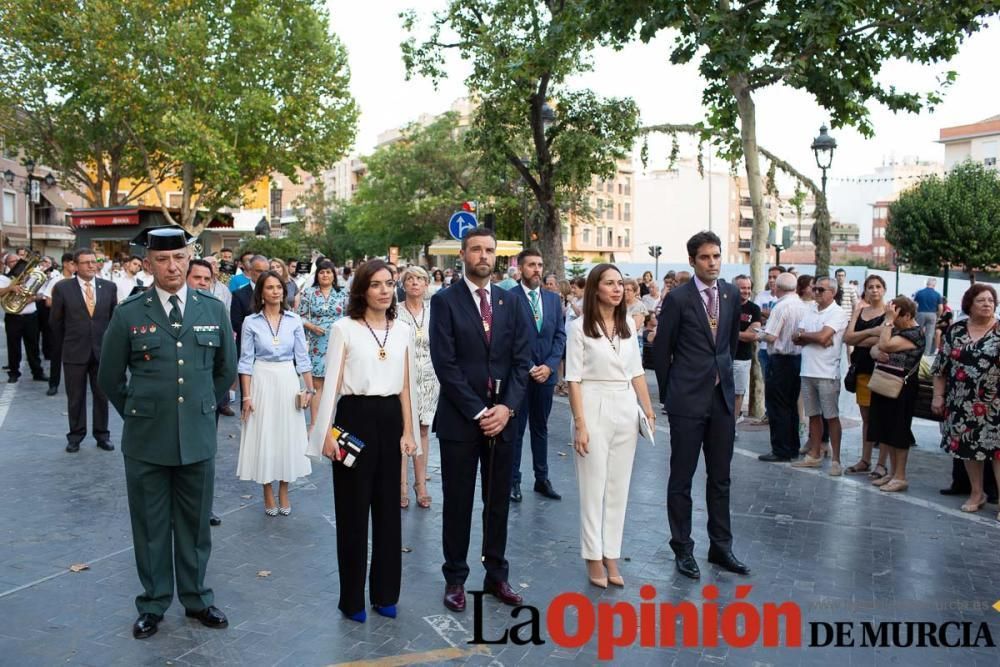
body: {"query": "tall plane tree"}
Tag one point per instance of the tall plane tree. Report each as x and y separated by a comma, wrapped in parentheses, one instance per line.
(522, 53)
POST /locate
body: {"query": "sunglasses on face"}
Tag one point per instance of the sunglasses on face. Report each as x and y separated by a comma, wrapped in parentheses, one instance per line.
(818, 290)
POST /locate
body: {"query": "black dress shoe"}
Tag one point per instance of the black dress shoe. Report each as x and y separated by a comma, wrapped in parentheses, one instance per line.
(952, 491)
(105, 445)
(227, 411)
(210, 616)
(515, 492)
(72, 447)
(503, 592)
(454, 597)
(52, 391)
(771, 457)
(214, 520)
(145, 625)
(40, 378)
(545, 488)
(727, 561)
(687, 565)
(11, 379)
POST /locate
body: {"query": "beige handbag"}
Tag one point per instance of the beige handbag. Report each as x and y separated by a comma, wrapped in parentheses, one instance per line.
(889, 380)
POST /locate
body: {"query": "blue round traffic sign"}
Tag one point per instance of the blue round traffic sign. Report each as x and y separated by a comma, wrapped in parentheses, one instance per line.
(461, 223)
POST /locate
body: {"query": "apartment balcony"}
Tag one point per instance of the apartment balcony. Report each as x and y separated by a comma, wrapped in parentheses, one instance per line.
(746, 223)
(745, 245)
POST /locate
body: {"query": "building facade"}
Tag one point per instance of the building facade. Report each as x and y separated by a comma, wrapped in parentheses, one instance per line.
(978, 142)
(607, 231)
(32, 206)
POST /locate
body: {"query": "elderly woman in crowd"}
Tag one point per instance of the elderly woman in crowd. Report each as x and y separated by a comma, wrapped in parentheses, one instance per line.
(966, 382)
(863, 333)
(320, 306)
(634, 307)
(272, 357)
(416, 311)
(900, 345)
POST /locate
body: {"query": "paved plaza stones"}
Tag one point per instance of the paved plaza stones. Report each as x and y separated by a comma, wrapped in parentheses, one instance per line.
(839, 548)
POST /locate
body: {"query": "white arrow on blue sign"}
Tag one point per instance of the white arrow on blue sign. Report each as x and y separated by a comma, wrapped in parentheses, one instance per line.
(461, 223)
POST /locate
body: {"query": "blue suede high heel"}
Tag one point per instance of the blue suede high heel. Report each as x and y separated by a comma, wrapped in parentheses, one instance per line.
(389, 611)
(358, 616)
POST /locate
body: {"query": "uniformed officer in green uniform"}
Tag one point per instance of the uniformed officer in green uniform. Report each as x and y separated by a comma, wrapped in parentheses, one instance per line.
(177, 346)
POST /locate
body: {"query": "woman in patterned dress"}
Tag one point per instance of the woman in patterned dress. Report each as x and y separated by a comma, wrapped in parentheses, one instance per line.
(966, 382)
(320, 306)
(416, 311)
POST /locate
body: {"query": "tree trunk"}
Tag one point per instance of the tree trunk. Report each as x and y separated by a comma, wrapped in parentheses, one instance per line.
(187, 188)
(822, 236)
(758, 244)
(550, 237)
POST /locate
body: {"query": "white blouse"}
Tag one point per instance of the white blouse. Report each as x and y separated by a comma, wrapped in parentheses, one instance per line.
(596, 359)
(353, 368)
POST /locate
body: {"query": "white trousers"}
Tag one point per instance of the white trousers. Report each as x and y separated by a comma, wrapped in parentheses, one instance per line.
(604, 473)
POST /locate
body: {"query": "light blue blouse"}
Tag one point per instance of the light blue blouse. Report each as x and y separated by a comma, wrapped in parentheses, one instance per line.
(258, 343)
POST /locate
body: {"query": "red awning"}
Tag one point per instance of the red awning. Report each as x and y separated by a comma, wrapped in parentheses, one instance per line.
(110, 217)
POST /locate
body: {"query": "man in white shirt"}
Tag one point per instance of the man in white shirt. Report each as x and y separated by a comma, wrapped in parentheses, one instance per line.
(821, 334)
(21, 328)
(217, 288)
(766, 299)
(129, 278)
(781, 389)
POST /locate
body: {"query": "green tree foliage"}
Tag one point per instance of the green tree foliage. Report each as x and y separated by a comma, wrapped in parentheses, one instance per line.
(834, 51)
(416, 183)
(951, 221)
(522, 53)
(216, 93)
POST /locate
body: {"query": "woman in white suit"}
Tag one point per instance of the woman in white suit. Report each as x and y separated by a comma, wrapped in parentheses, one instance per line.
(605, 376)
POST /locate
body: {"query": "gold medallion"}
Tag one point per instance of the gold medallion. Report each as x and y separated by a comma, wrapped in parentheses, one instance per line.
(714, 323)
(486, 325)
(382, 354)
(275, 340)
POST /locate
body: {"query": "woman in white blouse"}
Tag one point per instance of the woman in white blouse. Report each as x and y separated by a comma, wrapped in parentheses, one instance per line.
(370, 361)
(605, 376)
(273, 355)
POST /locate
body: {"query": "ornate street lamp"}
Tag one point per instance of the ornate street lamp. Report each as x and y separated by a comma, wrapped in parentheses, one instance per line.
(823, 147)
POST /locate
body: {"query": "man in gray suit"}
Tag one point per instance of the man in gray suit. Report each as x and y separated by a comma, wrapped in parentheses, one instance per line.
(696, 339)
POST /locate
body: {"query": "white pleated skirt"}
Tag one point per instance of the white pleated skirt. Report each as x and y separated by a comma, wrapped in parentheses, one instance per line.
(273, 439)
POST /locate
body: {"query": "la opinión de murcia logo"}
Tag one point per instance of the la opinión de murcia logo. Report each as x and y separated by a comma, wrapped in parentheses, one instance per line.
(737, 624)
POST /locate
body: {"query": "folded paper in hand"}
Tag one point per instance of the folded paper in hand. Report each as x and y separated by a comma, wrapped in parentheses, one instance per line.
(645, 428)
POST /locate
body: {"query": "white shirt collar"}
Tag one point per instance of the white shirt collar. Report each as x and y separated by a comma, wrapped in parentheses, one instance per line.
(83, 283)
(528, 290)
(702, 286)
(474, 288)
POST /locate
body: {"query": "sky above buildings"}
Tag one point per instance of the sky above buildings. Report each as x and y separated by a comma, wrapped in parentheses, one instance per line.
(787, 119)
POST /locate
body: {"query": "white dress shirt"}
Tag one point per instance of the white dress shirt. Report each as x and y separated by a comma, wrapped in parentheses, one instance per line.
(473, 287)
(164, 296)
(537, 291)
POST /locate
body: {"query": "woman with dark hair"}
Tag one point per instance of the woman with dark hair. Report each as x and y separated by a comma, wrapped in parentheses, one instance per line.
(863, 333)
(606, 378)
(967, 389)
(370, 366)
(321, 305)
(644, 284)
(900, 345)
(273, 355)
(437, 283)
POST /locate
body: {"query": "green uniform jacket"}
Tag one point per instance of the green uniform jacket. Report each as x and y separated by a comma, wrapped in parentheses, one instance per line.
(176, 376)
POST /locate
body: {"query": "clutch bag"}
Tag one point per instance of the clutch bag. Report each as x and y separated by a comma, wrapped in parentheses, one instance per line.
(301, 400)
(350, 444)
(645, 428)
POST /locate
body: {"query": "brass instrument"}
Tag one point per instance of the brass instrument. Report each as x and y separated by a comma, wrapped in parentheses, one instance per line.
(25, 287)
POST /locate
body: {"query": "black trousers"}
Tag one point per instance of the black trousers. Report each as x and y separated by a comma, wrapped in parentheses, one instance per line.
(23, 329)
(534, 411)
(371, 487)
(711, 433)
(55, 363)
(960, 478)
(459, 461)
(782, 392)
(77, 378)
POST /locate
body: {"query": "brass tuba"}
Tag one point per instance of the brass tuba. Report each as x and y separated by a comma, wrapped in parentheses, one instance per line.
(25, 287)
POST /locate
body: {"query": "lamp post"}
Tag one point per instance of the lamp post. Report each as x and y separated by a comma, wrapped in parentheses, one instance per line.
(275, 204)
(823, 147)
(32, 188)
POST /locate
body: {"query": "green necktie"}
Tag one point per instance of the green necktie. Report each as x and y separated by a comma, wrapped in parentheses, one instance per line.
(533, 295)
(175, 316)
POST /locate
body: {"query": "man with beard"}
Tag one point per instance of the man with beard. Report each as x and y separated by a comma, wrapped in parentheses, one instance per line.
(544, 310)
(480, 344)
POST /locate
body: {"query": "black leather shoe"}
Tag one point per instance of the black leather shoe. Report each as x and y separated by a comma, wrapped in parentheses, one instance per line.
(952, 491)
(73, 447)
(105, 445)
(11, 379)
(214, 520)
(515, 492)
(771, 457)
(454, 597)
(145, 625)
(727, 561)
(504, 593)
(545, 488)
(40, 378)
(52, 391)
(687, 565)
(227, 411)
(210, 616)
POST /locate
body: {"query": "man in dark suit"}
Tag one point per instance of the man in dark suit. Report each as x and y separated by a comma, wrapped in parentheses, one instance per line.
(548, 328)
(696, 339)
(481, 350)
(243, 297)
(81, 311)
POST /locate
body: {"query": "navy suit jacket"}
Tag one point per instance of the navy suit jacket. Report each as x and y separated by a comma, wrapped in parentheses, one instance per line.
(548, 344)
(464, 362)
(239, 309)
(688, 358)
